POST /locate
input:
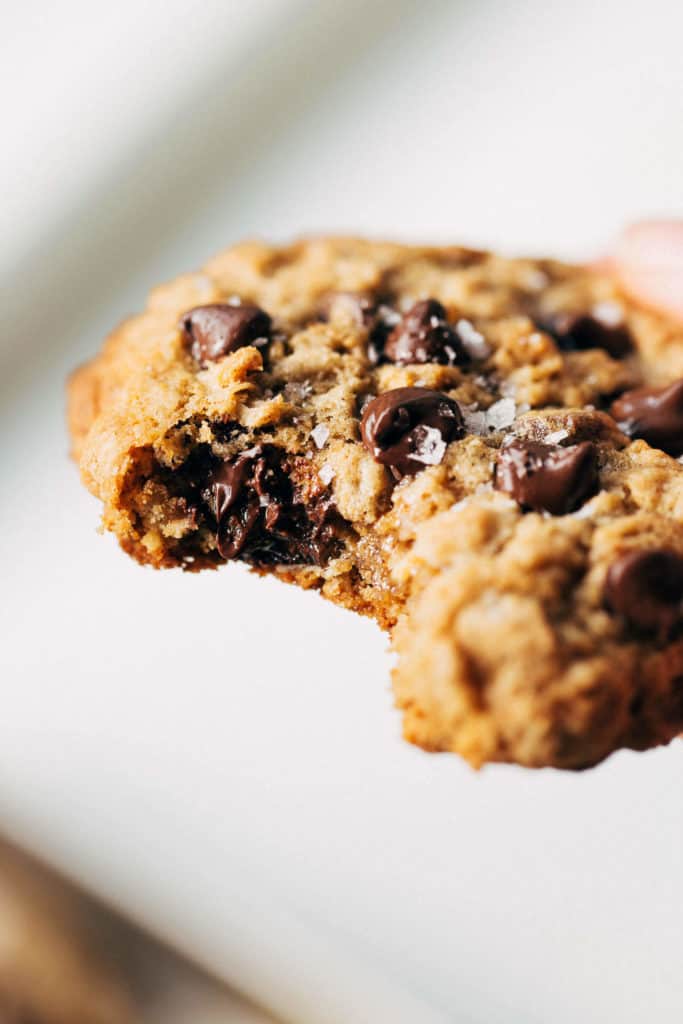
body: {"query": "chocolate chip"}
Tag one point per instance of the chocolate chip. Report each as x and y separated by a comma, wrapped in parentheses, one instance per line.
(655, 414)
(546, 477)
(213, 331)
(646, 588)
(425, 336)
(385, 320)
(579, 331)
(408, 428)
(228, 483)
(267, 512)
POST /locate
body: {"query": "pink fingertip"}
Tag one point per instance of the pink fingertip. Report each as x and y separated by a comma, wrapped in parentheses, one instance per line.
(647, 260)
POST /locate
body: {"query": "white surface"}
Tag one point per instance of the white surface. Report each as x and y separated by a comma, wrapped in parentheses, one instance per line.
(218, 755)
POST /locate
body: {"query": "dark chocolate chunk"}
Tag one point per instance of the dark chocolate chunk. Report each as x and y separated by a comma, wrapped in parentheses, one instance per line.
(267, 512)
(425, 336)
(546, 477)
(655, 414)
(646, 588)
(213, 331)
(579, 331)
(408, 428)
(228, 484)
(385, 320)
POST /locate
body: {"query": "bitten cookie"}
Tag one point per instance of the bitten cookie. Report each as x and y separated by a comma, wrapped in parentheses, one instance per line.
(480, 453)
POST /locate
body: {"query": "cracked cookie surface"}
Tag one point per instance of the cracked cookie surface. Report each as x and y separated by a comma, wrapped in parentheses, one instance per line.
(478, 452)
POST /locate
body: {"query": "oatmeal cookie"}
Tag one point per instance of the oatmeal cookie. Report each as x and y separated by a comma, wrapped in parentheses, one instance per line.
(480, 453)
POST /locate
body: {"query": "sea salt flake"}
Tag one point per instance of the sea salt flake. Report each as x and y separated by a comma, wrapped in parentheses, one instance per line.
(296, 391)
(389, 316)
(473, 340)
(535, 280)
(320, 435)
(326, 474)
(556, 436)
(430, 446)
(501, 414)
(507, 389)
(475, 419)
(609, 313)
(234, 300)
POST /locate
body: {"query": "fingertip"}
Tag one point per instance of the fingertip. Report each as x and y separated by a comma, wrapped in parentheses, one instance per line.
(647, 260)
(651, 243)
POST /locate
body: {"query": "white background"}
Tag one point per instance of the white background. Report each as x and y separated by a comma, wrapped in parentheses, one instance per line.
(218, 755)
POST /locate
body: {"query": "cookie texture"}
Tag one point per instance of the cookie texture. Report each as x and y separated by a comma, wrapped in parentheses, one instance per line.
(478, 452)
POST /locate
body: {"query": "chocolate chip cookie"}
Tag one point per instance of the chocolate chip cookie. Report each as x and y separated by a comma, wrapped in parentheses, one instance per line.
(480, 453)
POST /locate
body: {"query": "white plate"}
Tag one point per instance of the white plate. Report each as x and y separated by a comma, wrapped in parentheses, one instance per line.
(218, 755)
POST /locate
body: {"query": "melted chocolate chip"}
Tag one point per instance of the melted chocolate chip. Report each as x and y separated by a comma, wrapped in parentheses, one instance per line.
(408, 428)
(655, 414)
(268, 513)
(576, 332)
(228, 483)
(213, 331)
(646, 588)
(425, 336)
(546, 477)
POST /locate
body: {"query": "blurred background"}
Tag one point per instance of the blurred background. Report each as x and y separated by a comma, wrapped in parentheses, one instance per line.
(268, 822)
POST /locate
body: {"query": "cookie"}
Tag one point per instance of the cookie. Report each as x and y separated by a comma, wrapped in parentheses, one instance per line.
(480, 453)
